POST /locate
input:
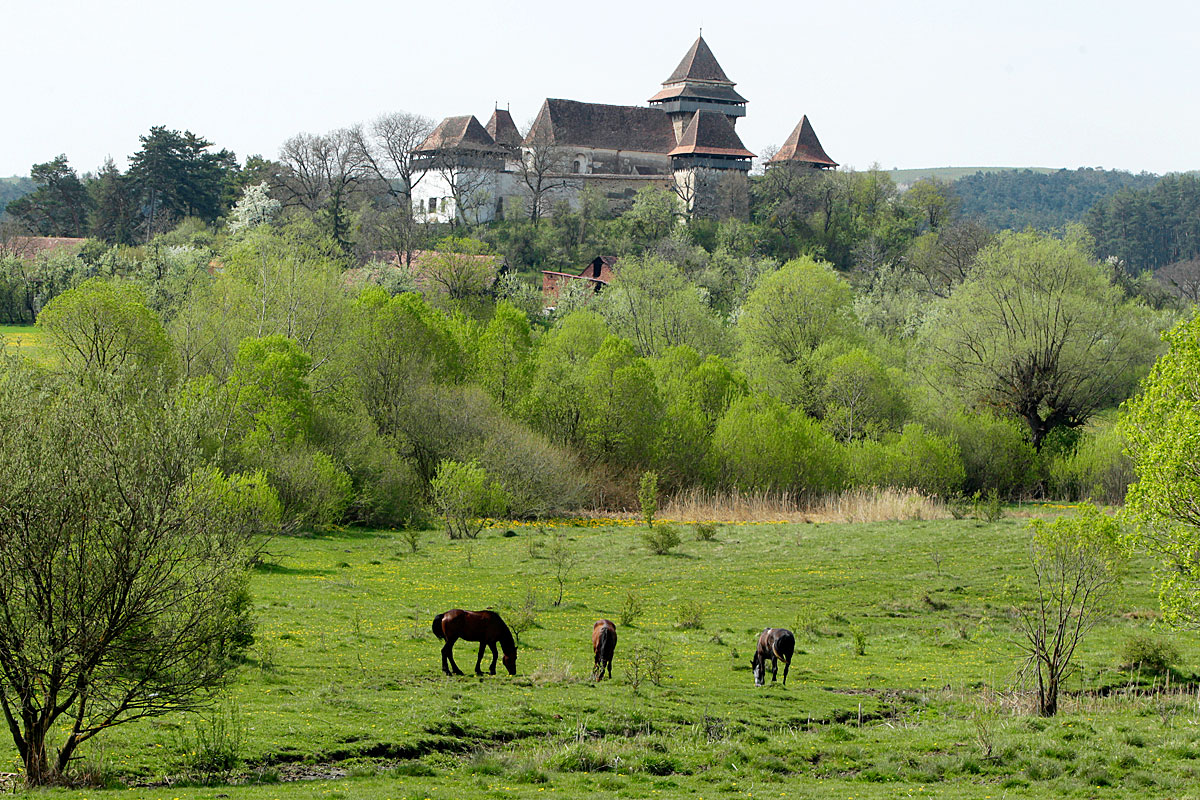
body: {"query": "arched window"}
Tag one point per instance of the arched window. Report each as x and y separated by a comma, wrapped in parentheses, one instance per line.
(580, 166)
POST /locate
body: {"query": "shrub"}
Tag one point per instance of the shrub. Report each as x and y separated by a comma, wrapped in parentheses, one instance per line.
(691, 614)
(995, 451)
(987, 508)
(313, 490)
(466, 497)
(631, 609)
(648, 496)
(1149, 654)
(912, 459)
(662, 539)
(1096, 469)
(706, 531)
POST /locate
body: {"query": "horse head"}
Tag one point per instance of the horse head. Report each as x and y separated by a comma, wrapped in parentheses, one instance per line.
(509, 659)
(760, 670)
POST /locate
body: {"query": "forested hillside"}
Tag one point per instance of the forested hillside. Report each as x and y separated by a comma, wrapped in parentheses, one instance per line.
(11, 189)
(1019, 199)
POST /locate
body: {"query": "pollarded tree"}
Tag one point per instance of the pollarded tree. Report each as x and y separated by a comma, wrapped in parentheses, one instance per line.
(1038, 330)
(123, 564)
(1162, 426)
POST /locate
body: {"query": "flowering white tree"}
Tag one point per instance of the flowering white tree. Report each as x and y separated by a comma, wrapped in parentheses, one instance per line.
(255, 208)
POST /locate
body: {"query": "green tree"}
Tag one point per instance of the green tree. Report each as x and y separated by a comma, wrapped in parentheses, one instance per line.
(58, 206)
(1038, 330)
(503, 358)
(1077, 564)
(122, 561)
(785, 319)
(101, 327)
(467, 497)
(178, 177)
(861, 397)
(1162, 426)
(622, 408)
(115, 213)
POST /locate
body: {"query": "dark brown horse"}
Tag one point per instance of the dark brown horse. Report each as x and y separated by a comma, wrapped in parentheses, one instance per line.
(773, 643)
(484, 627)
(604, 642)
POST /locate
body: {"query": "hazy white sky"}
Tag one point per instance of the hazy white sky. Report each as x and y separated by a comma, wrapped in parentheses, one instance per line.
(904, 84)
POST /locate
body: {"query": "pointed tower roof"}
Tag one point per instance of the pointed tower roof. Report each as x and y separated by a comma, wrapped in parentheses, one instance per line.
(460, 133)
(710, 133)
(803, 147)
(503, 130)
(699, 64)
(699, 79)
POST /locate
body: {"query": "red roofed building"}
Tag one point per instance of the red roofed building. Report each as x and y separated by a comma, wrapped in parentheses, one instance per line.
(598, 274)
(683, 140)
(803, 148)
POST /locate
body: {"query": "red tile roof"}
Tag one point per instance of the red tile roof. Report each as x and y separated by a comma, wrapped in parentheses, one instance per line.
(710, 133)
(31, 246)
(503, 130)
(460, 133)
(803, 147)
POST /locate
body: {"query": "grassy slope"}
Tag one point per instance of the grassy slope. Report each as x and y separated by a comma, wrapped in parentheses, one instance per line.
(908, 176)
(350, 670)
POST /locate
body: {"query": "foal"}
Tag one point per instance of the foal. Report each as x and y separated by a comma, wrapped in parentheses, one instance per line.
(604, 642)
(773, 643)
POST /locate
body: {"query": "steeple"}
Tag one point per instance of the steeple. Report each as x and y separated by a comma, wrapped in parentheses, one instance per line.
(803, 147)
(698, 84)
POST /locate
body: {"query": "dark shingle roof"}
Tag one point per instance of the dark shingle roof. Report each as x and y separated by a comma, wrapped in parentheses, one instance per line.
(710, 133)
(502, 128)
(699, 65)
(803, 146)
(699, 91)
(569, 122)
(460, 133)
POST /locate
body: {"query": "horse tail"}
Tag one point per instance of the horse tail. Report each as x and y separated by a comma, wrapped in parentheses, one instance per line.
(786, 645)
(608, 642)
(437, 627)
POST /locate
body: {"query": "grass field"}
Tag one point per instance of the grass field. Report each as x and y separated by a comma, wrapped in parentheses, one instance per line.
(902, 685)
(26, 340)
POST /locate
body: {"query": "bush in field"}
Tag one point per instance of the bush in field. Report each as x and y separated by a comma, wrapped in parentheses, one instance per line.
(1096, 469)
(661, 539)
(995, 451)
(762, 445)
(1148, 654)
(314, 492)
(648, 496)
(466, 497)
(913, 459)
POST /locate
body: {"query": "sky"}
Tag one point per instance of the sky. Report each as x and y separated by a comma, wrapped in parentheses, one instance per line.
(899, 84)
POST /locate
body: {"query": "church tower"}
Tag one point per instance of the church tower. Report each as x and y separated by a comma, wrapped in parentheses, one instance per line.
(698, 84)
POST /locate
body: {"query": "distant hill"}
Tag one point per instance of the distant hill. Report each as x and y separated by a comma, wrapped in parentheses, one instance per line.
(12, 188)
(906, 177)
(1019, 199)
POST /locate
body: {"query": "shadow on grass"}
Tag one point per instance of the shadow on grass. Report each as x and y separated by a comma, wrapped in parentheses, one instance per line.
(271, 568)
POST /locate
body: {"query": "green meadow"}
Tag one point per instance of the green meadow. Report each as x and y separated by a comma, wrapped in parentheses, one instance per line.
(26, 340)
(906, 681)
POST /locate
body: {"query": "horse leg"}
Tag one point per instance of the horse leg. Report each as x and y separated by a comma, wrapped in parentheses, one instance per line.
(479, 659)
(610, 668)
(774, 667)
(448, 655)
(492, 669)
(787, 664)
(597, 668)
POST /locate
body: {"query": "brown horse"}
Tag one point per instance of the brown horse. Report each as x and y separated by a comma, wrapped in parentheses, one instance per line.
(604, 642)
(773, 643)
(484, 627)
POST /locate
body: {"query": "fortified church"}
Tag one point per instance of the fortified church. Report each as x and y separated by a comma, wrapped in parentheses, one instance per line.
(684, 140)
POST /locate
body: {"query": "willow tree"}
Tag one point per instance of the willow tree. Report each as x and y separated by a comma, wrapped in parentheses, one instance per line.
(1039, 331)
(123, 564)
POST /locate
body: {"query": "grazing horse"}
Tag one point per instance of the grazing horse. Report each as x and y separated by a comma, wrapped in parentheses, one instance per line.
(773, 643)
(604, 642)
(484, 627)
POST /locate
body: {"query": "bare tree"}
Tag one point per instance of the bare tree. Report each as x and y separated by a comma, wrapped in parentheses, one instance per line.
(387, 147)
(541, 168)
(320, 174)
(1182, 279)
(468, 178)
